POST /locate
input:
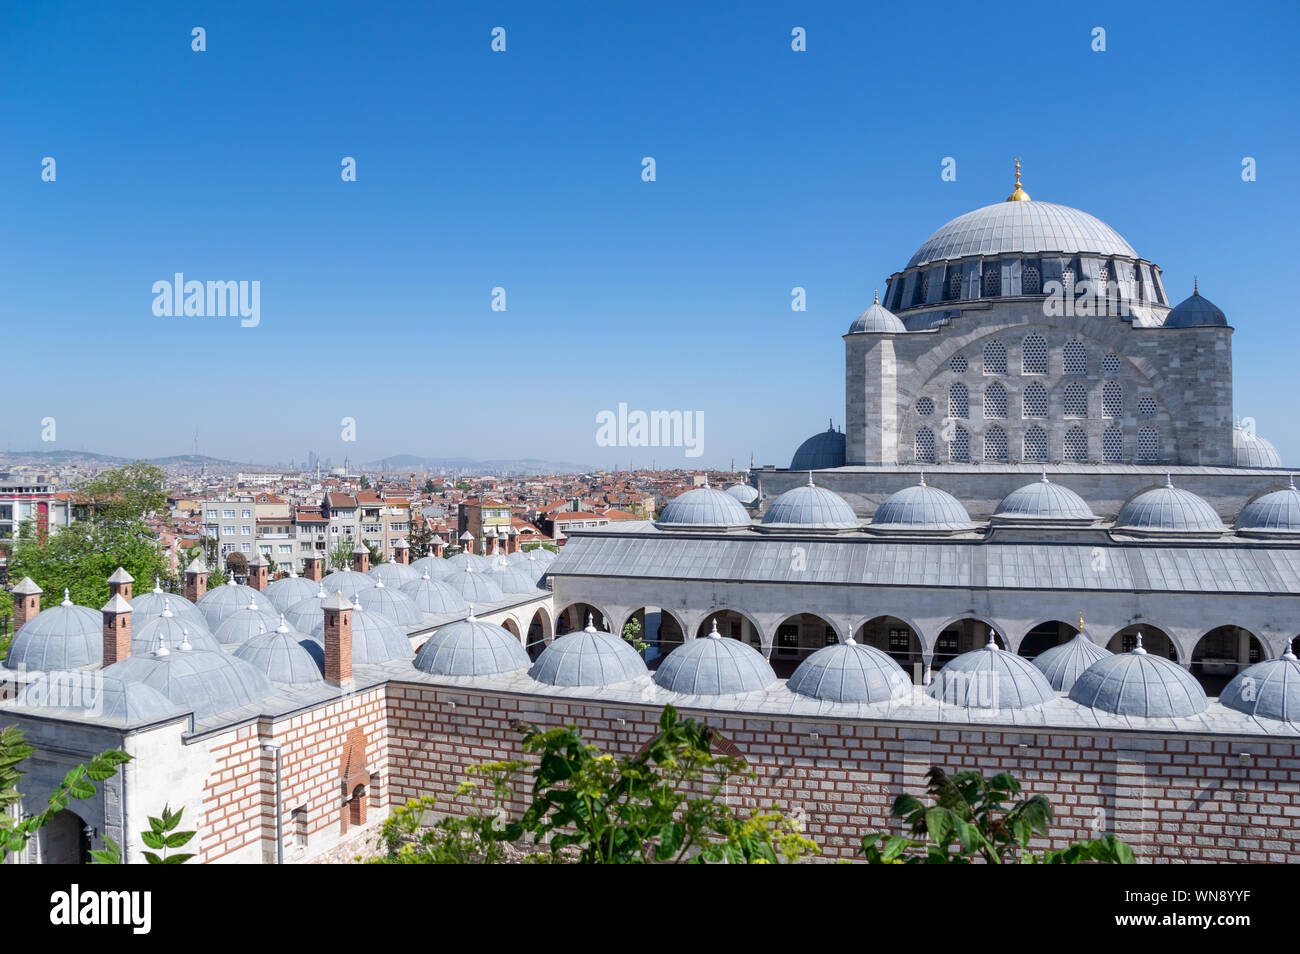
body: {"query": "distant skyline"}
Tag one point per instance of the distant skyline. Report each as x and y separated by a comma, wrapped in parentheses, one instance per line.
(522, 170)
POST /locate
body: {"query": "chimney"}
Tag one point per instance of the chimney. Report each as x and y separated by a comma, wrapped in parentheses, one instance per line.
(196, 580)
(119, 584)
(27, 601)
(360, 558)
(438, 546)
(338, 640)
(311, 568)
(117, 629)
(258, 568)
(402, 553)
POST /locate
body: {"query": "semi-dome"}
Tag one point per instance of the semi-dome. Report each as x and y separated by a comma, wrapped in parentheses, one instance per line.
(474, 586)
(282, 657)
(1139, 684)
(1267, 690)
(810, 507)
(744, 493)
(921, 507)
(375, 638)
(285, 592)
(66, 636)
(1063, 664)
(147, 605)
(471, 647)
(1044, 501)
(220, 601)
(589, 657)
(394, 574)
(197, 680)
(347, 582)
(242, 625)
(1251, 450)
(1168, 509)
(120, 702)
(1276, 512)
(850, 672)
(991, 678)
(435, 596)
(1022, 226)
(170, 631)
(435, 566)
(714, 665)
(821, 451)
(393, 603)
(877, 320)
(704, 507)
(1195, 311)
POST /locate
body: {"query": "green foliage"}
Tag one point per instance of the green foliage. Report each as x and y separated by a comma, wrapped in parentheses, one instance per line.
(970, 820)
(161, 836)
(81, 557)
(462, 485)
(667, 804)
(78, 783)
(420, 538)
(632, 633)
(124, 494)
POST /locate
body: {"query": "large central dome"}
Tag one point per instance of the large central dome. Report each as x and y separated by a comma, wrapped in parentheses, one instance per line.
(1022, 226)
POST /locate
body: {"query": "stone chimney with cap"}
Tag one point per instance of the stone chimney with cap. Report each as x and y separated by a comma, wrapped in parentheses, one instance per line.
(119, 584)
(338, 640)
(27, 601)
(196, 580)
(402, 553)
(361, 558)
(259, 568)
(312, 567)
(117, 629)
(467, 542)
(438, 545)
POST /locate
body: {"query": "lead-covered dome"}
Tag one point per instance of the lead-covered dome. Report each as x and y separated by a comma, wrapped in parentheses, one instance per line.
(1139, 684)
(1195, 311)
(1168, 509)
(348, 582)
(471, 647)
(148, 605)
(375, 638)
(120, 702)
(714, 665)
(66, 636)
(394, 574)
(1276, 512)
(810, 507)
(850, 672)
(220, 602)
(589, 658)
(877, 320)
(1044, 501)
(198, 681)
(1063, 664)
(436, 597)
(1267, 690)
(821, 451)
(991, 678)
(744, 493)
(170, 631)
(1251, 450)
(1022, 226)
(393, 603)
(703, 507)
(435, 566)
(242, 625)
(285, 592)
(282, 657)
(921, 508)
(474, 586)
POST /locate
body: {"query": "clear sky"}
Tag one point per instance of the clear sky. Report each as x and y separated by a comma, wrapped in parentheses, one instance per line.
(523, 170)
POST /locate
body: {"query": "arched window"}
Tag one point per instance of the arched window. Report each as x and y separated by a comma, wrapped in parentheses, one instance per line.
(1067, 280)
(1034, 358)
(959, 446)
(924, 406)
(1035, 444)
(925, 445)
(958, 401)
(995, 444)
(1076, 358)
(991, 281)
(1148, 443)
(954, 284)
(1076, 444)
(1035, 401)
(1112, 400)
(995, 357)
(957, 364)
(1112, 445)
(1147, 406)
(1031, 279)
(1076, 400)
(995, 401)
(1110, 364)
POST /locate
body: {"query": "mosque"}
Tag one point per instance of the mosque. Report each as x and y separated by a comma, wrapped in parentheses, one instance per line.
(1041, 545)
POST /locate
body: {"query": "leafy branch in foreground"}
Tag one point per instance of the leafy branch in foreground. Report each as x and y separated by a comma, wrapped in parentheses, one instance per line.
(161, 836)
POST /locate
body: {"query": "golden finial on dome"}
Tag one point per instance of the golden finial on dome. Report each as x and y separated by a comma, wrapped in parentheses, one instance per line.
(1081, 622)
(1020, 195)
(877, 296)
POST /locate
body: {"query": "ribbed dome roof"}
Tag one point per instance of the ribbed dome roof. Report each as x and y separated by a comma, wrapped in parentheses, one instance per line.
(458, 563)
(743, 492)
(921, 508)
(1044, 500)
(810, 507)
(147, 605)
(1251, 450)
(198, 681)
(714, 665)
(878, 319)
(704, 507)
(394, 574)
(474, 586)
(375, 638)
(171, 632)
(306, 614)
(1031, 227)
(1063, 664)
(219, 602)
(435, 596)
(850, 672)
(471, 647)
(514, 580)
(242, 625)
(66, 636)
(1139, 684)
(284, 593)
(120, 702)
(1195, 312)
(1275, 512)
(282, 657)
(1267, 690)
(347, 582)
(1168, 509)
(821, 451)
(436, 567)
(991, 678)
(588, 657)
(391, 602)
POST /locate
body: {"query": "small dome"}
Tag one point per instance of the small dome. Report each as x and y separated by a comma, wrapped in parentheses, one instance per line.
(198, 681)
(347, 582)
(539, 553)
(1275, 512)
(714, 665)
(878, 319)
(1251, 450)
(436, 597)
(1195, 312)
(821, 451)
(393, 603)
(744, 493)
(119, 702)
(991, 678)
(921, 508)
(394, 574)
(169, 631)
(375, 638)
(1168, 509)
(148, 605)
(282, 657)
(306, 614)
(1063, 664)
(588, 657)
(284, 593)
(471, 647)
(242, 625)
(62, 637)
(1267, 690)
(435, 566)
(514, 580)
(1139, 684)
(219, 602)
(704, 507)
(474, 586)
(458, 563)
(1044, 500)
(810, 507)
(850, 672)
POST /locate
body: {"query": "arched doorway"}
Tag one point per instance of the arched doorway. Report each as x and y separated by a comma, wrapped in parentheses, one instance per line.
(539, 633)
(1044, 636)
(1222, 653)
(731, 624)
(237, 566)
(797, 638)
(65, 840)
(961, 636)
(511, 626)
(895, 637)
(574, 617)
(1154, 640)
(657, 628)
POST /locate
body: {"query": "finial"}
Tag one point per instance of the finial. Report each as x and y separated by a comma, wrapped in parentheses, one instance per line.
(922, 478)
(1045, 480)
(161, 649)
(850, 641)
(185, 646)
(1169, 480)
(591, 625)
(1138, 649)
(283, 627)
(157, 585)
(877, 301)
(993, 640)
(67, 599)
(1290, 649)
(1290, 482)
(713, 633)
(1196, 285)
(471, 612)
(167, 608)
(810, 483)
(356, 601)
(1019, 195)
(1081, 622)
(425, 575)
(379, 584)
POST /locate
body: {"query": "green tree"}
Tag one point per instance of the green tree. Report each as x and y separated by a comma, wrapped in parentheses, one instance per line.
(124, 494)
(969, 820)
(421, 540)
(81, 557)
(632, 633)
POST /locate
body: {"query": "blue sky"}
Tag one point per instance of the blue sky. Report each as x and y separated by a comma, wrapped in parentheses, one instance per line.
(522, 170)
